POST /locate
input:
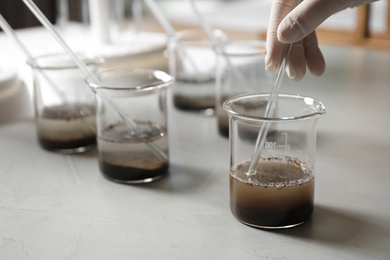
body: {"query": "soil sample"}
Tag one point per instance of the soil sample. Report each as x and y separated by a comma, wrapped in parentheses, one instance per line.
(126, 156)
(280, 194)
(64, 129)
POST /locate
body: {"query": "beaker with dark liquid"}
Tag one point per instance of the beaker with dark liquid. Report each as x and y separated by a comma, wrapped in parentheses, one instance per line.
(240, 70)
(192, 62)
(64, 104)
(280, 192)
(132, 124)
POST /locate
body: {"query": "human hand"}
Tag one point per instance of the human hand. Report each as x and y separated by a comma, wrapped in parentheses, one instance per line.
(296, 24)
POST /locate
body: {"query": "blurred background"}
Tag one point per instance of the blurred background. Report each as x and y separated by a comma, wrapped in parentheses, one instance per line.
(241, 18)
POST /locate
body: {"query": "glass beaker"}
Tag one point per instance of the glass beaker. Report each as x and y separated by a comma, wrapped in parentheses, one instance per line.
(192, 62)
(240, 70)
(280, 193)
(64, 105)
(132, 124)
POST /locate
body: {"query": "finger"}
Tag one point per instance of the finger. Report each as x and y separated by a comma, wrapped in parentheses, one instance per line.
(314, 59)
(273, 55)
(279, 9)
(296, 61)
(305, 18)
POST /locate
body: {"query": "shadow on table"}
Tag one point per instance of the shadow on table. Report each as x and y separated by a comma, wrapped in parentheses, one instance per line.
(180, 179)
(344, 228)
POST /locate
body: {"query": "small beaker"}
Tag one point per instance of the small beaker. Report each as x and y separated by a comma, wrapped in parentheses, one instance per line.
(132, 124)
(240, 70)
(280, 192)
(192, 61)
(15, 101)
(64, 105)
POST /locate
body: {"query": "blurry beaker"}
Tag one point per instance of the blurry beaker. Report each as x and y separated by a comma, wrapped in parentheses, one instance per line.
(240, 70)
(192, 62)
(15, 100)
(64, 105)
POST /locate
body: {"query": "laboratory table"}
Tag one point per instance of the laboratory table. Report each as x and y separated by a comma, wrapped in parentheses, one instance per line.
(56, 206)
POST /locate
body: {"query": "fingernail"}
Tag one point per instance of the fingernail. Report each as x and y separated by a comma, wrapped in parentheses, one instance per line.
(290, 72)
(270, 67)
(270, 64)
(294, 74)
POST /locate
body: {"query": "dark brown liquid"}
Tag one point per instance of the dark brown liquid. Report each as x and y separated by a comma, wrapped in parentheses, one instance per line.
(61, 129)
(128, 157)
(280, 195)
(222, 117)
(128, 174)
(66, 145)
(224, 131)
(248, 133)
(193, 103)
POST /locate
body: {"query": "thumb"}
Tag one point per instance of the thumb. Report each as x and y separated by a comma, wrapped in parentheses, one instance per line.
(305, 18)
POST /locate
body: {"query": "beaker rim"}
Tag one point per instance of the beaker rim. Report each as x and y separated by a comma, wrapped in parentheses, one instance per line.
(158, 79)
(242, 48)
(316, 107)
(195, 36)
(38, 62)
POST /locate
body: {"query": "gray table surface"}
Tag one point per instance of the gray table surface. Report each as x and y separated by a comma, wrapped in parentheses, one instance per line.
(60, 207)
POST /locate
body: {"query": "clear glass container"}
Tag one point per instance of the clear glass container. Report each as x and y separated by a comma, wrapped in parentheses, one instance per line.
(132, 124)
(280, 192)
(15, 100)
(192, 62)
(64, 105)
(240, 70)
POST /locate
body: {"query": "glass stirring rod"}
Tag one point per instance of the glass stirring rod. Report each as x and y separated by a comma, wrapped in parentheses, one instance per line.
(271, 104)
(128, 121)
